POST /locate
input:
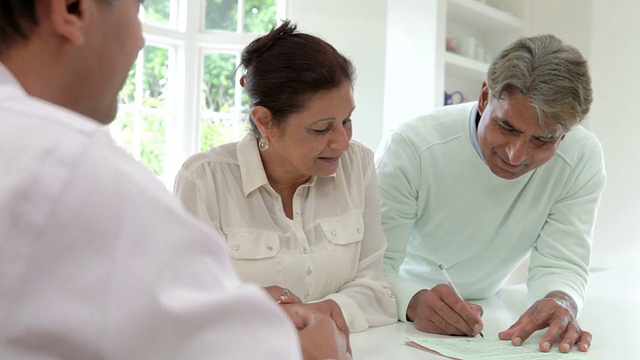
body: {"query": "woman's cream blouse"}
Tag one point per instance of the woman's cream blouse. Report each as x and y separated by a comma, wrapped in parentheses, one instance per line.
(331, 249)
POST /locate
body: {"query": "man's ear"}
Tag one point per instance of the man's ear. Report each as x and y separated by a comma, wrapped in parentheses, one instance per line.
(483, 99)
(264, 121)
(69, 18)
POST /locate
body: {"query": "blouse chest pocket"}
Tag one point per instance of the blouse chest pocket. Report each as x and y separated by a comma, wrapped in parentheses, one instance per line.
(251, 246)
(345, 240)
(344, 232)
(254, 257)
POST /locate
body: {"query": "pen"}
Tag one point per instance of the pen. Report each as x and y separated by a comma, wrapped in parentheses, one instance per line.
(450, 282)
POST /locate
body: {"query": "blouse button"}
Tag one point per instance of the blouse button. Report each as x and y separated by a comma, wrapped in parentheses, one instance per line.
(298, 212)
(306, 294)
(333, 233)
(309, 272)
(269, 247)
(237, 248)
(358, 230)
(305, 251)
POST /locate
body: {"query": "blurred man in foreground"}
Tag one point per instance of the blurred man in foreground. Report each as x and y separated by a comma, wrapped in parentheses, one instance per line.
(98, 260)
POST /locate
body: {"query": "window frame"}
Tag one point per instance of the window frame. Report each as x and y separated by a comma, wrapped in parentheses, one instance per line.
(188, 43)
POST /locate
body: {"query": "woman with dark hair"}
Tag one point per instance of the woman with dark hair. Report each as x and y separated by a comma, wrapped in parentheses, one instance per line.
(297, 200)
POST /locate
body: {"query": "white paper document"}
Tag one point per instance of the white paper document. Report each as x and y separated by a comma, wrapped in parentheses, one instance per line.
(466, 348)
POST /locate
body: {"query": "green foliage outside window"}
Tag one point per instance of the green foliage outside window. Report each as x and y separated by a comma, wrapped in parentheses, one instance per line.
(157, 11)
(141, 124)
(259, 15)
(218, 98)
(218, 132)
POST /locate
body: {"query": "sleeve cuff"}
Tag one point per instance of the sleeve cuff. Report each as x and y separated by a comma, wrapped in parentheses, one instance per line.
(352, 314)
(404, 291)
(535, 294)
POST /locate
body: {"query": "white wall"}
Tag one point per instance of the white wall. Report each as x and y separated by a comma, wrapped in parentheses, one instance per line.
(615, 59)
(357, 29)
(412, 72)
(570, 20)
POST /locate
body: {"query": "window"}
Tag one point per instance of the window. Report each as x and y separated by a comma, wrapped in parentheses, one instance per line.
(181, 95)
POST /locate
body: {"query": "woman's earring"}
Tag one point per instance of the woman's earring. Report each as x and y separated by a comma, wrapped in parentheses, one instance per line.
(263, 143)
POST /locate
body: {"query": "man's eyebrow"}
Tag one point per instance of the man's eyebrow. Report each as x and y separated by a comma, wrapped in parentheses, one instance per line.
(506, 123)
(547, 137)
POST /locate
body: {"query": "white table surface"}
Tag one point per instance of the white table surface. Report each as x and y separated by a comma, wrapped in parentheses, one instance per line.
(611, 313)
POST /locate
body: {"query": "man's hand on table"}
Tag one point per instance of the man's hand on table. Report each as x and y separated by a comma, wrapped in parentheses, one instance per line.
(557, 311)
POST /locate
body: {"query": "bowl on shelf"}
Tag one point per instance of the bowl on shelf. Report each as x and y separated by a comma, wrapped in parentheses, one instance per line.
(468, 47)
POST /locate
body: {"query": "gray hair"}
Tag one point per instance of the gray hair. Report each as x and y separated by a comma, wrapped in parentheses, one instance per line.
(554, 76)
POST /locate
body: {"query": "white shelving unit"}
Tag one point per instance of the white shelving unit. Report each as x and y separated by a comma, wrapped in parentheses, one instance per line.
(458, 65)
(482, 16)
(492, 26)
(419, 69)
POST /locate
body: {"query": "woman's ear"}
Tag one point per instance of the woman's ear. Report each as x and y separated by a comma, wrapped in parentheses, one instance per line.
(264, 121)
(68, 18)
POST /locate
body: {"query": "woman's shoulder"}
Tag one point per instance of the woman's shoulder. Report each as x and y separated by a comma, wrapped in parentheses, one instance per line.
(221, 154)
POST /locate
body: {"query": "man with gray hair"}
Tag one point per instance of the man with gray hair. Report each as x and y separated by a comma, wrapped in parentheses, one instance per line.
(479, 186)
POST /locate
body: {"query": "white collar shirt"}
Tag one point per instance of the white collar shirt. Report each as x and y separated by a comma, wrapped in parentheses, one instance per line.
(333, 246)
(99, 261)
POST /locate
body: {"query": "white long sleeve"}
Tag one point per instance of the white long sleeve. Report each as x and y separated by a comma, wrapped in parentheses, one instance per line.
(99, 261)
